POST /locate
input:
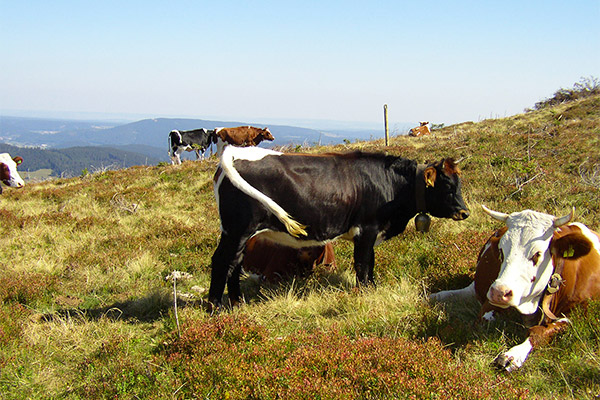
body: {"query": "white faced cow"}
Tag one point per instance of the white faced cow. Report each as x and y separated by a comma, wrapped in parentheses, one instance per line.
(8, 171)
(305, 200)
(538, 265)
(198, 140)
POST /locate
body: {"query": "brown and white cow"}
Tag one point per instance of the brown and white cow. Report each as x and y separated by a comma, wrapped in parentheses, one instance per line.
(8, 171)
(420, 130)
(241, 136)
(540, 265)
(273, 261)
(303, 200)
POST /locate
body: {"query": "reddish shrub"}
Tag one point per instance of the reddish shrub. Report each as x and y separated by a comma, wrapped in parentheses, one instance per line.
(233, 357)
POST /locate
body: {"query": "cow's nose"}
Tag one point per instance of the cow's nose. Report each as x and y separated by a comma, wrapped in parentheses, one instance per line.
(462, 214)
(500, 294)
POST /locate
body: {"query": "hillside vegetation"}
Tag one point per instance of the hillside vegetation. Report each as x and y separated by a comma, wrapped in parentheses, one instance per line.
(87, 311)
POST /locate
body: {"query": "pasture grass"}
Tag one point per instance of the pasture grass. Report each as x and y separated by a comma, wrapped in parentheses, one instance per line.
(86, 312)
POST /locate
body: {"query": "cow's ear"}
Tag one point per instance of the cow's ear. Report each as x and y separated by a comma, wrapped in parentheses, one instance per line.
(572, 246)
(429, 174)
(18, 160)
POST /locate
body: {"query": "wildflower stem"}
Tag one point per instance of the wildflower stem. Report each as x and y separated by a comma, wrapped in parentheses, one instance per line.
(175, 304)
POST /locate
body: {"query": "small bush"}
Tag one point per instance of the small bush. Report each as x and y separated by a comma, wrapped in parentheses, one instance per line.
(586, 87)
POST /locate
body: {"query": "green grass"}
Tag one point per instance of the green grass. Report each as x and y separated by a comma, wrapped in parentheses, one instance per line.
(86, 312)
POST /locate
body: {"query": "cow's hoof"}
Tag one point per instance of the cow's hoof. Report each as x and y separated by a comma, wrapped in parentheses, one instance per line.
(213, 307)
(505, 362)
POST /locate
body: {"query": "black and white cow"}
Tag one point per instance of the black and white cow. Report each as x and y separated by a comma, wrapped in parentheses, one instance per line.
(307, 200)
(198, 140)
(8, 171)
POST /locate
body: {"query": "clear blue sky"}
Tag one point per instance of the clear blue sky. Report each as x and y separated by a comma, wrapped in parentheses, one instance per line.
(442, 61)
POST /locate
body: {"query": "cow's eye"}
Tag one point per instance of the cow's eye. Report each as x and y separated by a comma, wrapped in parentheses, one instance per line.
(500, 255)
(536, 258)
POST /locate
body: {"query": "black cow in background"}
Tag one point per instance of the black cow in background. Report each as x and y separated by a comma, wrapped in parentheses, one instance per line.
(198, 140)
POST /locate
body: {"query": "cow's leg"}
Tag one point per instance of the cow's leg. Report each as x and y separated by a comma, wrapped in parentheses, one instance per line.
(539, 335)
(453, 295)
(178, 155)
(364, 257)
(225, 261)
(233, 284)
(197, 154)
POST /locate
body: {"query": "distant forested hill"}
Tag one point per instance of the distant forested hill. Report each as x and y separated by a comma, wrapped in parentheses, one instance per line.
(74, 160)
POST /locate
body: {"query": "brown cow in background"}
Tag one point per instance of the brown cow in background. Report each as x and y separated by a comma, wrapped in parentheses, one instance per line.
(421, 130)
(242, 136)
(275, 261)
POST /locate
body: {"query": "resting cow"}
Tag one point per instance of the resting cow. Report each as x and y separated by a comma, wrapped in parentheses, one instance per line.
(420, 130)
(273, 261)
(8, 171)
(539, 265)
(198, 140)
(242, 136)
(307, 200)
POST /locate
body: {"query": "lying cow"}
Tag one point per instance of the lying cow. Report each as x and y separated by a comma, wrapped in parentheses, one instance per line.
(198, 140)
(535, 262)
(273, 261)
(420, 130)
(8, 171)
(307, 200)
(242, 136)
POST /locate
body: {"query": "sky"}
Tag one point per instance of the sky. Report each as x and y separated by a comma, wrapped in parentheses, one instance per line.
(303, 62)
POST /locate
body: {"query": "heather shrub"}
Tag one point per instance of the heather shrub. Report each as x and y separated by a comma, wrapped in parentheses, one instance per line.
(232, 357)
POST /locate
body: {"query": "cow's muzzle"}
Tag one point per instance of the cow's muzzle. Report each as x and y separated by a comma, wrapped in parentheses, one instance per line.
(460, 215)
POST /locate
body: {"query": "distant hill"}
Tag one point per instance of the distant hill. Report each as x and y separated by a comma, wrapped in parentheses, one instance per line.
(68, 142)
(148, 132)
(74, 160)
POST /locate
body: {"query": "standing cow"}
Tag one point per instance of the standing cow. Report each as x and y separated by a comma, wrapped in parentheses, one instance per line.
(241, 136)
(198, 140)
(307, 200)
(538, 265)
(8, 171)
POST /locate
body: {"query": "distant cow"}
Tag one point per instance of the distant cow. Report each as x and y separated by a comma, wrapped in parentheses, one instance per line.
(274, 261)
(421, 130)
(241, 136)
(305, 200)
(198, 140)
(536, 262)
(8, 171)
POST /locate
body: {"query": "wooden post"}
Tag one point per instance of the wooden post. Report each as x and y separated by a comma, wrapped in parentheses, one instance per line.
(385, 121)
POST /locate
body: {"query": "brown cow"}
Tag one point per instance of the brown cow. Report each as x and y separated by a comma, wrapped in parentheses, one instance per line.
(421, 130)
(242, 136)
(536, 262)
(274, 261)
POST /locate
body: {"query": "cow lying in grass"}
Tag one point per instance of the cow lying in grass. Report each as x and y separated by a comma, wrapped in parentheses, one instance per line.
(273, 261)
(542, 266)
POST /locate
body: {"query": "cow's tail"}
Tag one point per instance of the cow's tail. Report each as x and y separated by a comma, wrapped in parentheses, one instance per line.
(293, 227)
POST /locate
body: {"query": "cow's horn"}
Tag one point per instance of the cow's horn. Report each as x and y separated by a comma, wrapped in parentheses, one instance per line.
(495, 214)
(564, 220)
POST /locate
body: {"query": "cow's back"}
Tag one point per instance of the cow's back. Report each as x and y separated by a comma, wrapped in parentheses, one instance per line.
(576, 255)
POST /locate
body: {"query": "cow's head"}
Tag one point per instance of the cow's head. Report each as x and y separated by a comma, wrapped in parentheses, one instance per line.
(526, 262)
(443, 197)
(266, 134)
(8, 171)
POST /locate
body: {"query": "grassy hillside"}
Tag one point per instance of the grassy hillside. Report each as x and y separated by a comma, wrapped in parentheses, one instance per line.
(86, 310)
